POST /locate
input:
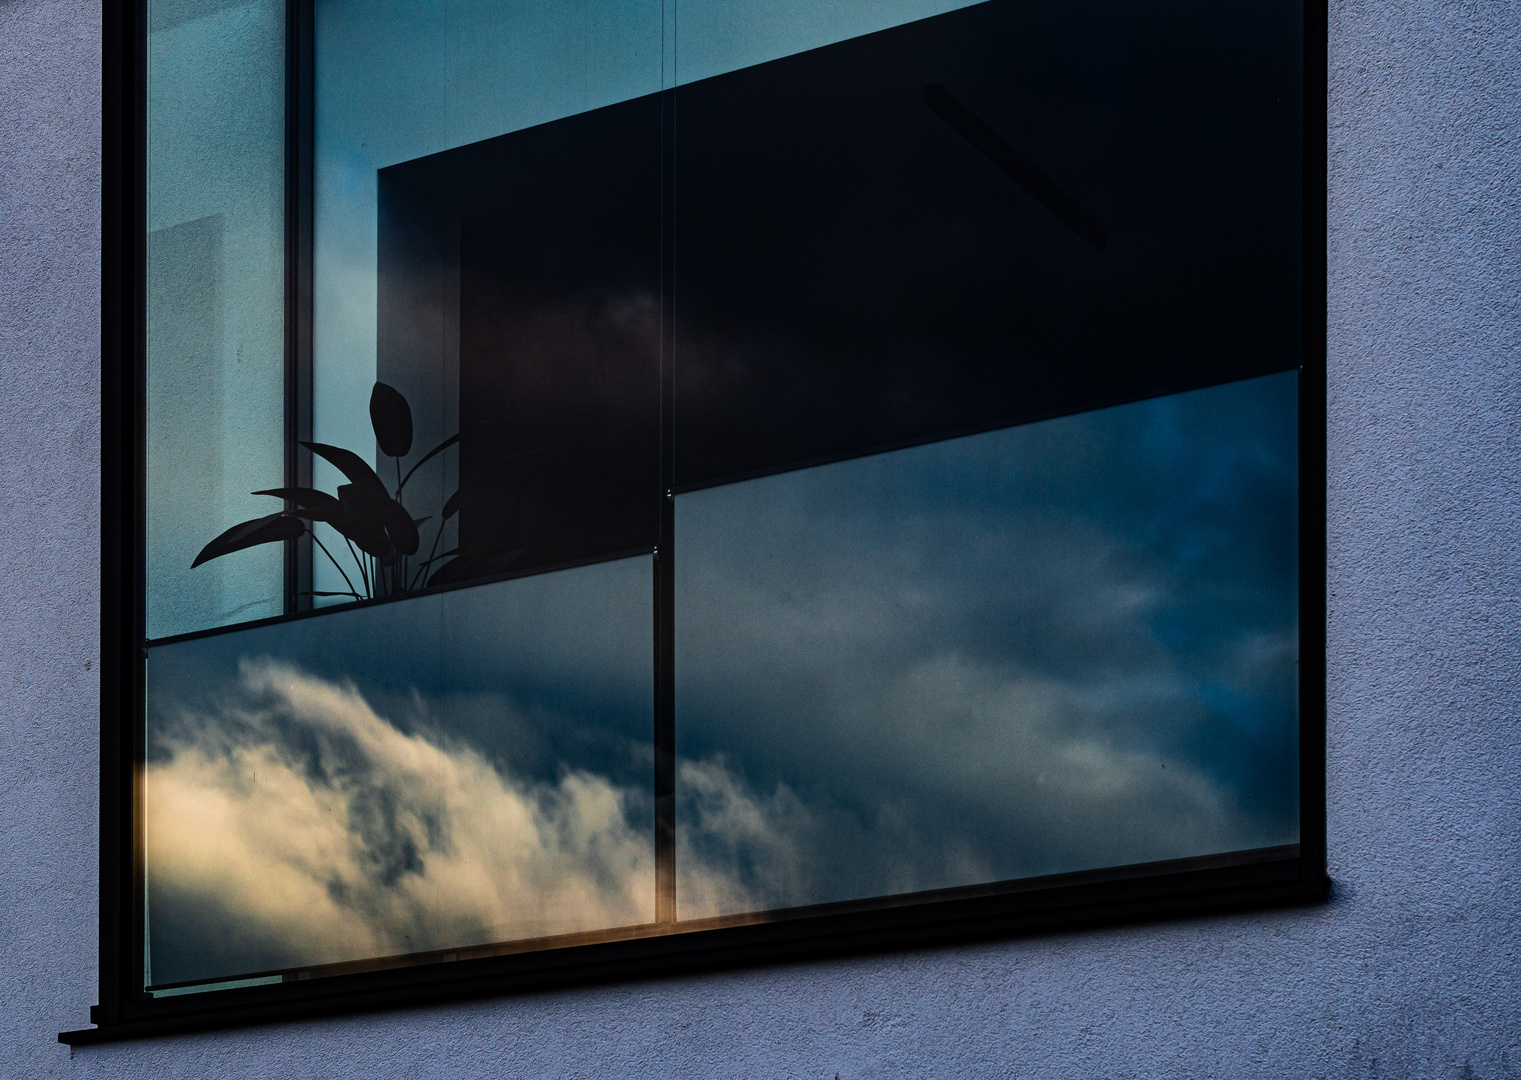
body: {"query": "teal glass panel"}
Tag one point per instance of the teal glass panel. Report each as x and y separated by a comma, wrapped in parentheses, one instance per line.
(442, 772)
(1056, 647)
(215, 304)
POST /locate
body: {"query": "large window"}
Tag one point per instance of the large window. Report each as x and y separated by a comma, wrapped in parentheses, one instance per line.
(610, 486)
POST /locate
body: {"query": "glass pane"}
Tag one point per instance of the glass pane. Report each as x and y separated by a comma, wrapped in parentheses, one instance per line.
(1055, 647)
(447, 771)
(499, 270)
(993, 215)
(215, 314)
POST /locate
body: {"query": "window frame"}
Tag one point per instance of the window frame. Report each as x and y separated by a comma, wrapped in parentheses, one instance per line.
(1181, 888)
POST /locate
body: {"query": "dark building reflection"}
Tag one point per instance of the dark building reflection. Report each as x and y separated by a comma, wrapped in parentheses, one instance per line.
(849, 264)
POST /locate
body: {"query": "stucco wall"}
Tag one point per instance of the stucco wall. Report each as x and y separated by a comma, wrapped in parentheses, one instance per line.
(1411, 969)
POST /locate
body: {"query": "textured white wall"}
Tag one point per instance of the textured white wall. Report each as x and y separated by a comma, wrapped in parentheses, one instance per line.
(49, 521)
(1411, 969)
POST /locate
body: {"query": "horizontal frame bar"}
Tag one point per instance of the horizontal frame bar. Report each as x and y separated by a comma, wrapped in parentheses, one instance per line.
(1179, 888)
(393, 598)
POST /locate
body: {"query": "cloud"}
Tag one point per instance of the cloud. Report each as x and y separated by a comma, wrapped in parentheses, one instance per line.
(951, 772)
(290, 824)
(1050, 648)
(319, 831)
(736, 850)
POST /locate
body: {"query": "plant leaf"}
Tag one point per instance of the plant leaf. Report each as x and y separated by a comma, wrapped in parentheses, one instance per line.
(451, 506)
(400, 527)
(363, 519)
(310, 503)
(391, 417)
(350, 465)
(439, 449)
(247, 534)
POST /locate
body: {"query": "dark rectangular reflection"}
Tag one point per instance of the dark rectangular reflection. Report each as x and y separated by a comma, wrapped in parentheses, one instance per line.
(852, 273)
(849, 270)
(1057, 647)
(464, 767)
(523, 274)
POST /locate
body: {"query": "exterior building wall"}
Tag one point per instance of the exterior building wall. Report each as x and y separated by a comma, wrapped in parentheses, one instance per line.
(1413, 967)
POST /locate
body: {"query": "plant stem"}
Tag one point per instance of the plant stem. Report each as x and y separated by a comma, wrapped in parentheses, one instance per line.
(334, 561)
(431, 561)
(439, 449)
(359, 562)
(431, 552)
(400, 566)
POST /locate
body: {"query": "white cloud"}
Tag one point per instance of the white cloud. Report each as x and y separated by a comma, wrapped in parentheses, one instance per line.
(737, 851)
(379, 841)
(294, 819)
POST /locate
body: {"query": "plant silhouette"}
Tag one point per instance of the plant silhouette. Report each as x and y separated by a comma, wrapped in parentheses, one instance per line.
(383, 539)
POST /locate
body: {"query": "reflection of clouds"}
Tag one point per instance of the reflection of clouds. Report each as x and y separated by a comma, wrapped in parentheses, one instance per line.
(737, 850)
(1030, 784)
(299, 825)
(1028, 652)
(316, 823)
(1043, 768)
(1050, 648)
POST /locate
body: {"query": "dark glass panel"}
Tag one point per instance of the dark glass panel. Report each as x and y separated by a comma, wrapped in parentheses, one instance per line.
(441, 772)
(1056, 647)
(547, 243)
(1009, 211)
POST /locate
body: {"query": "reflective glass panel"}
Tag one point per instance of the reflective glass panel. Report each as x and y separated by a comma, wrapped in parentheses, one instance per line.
(930, 367)
(430, 771)
(446, 771)
(546, 245)
(215, 303)
(1055, 647)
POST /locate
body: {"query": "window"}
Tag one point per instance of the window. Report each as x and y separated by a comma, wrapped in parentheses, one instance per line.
(607, 487)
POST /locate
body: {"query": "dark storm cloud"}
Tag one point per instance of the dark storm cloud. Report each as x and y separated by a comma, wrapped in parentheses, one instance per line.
(1054, 647)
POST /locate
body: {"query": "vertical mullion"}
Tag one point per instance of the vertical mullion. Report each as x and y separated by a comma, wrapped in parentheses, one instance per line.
(1312, 453)
(665, 565)
(123, 220)
(299, 62)
(134, 369)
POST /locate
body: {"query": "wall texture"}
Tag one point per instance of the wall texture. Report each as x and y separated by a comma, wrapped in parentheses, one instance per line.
(1412, 970)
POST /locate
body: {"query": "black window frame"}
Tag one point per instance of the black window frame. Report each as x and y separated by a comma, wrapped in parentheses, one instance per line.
(1182, 888)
